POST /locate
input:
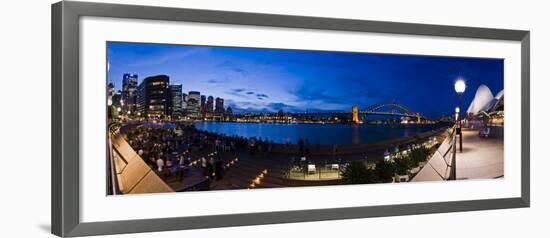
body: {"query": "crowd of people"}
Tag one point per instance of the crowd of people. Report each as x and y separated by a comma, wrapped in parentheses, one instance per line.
(173, 151)
(259, 146)
(158, 147)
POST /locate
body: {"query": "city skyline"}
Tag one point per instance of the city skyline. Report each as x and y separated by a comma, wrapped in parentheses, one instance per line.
(266, 80)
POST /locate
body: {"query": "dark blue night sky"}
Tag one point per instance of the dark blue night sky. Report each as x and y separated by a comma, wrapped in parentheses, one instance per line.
(251, 79)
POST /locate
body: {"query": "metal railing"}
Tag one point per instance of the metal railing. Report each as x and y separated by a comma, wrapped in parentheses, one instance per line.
(452, 175)
(320, 172)
(445, 154)
(112, 178)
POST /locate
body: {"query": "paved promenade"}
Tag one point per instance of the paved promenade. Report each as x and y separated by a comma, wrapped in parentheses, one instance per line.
(481, 158)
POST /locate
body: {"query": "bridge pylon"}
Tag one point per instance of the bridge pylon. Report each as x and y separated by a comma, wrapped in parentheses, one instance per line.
(355, 114)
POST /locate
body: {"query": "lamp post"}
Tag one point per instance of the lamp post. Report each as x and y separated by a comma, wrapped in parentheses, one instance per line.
(110, 108)
(460, 87)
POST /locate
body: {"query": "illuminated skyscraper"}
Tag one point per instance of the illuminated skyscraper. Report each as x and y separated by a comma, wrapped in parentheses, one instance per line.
(203, 104)
(129, 87)
(209, 108)
(153, 96)
(110, 93)
(183, 102)
(175, 107)
(219, 106)
(193, 105)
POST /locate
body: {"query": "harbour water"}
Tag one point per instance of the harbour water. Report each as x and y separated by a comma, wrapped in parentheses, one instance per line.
(324, 134)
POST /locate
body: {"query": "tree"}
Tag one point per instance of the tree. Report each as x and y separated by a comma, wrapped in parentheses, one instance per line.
(385, 171)
(358, 173)
(402, 165)
(419, 155)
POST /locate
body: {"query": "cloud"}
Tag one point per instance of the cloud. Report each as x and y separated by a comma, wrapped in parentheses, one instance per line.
(220, 81)
(237, 92)
(309, 94)
(261, 95)
(342, 95)
(229, 65)
(243, 106)
(250, 95)
(239, 70)
(259, 107)
(276, 106)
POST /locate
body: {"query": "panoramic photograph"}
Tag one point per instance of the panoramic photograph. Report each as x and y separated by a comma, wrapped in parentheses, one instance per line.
(186, 118)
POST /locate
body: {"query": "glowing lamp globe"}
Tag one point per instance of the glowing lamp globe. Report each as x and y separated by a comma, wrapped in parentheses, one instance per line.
(460, 86)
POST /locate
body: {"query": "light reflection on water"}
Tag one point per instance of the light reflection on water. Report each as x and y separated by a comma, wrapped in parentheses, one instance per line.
(316, 133)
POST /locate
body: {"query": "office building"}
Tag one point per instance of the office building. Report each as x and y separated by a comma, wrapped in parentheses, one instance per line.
(152, 96)
(203, 104)
(209, 107)
(183, 102)
(193, 105)
(175, 101)
(129, 87)
(219, 106)
(110, 93)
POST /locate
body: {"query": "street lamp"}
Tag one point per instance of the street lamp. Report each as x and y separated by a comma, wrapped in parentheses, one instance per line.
(460, 87)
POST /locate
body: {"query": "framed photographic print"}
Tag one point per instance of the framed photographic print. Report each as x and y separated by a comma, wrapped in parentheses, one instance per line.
(168, 119)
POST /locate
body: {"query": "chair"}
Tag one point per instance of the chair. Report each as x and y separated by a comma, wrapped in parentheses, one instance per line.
(486, 132)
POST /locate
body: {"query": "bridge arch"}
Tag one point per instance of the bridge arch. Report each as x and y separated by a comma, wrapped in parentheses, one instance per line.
(376, 107)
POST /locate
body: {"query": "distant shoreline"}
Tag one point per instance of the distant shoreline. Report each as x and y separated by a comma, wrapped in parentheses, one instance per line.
(350, 149)
(307, 123)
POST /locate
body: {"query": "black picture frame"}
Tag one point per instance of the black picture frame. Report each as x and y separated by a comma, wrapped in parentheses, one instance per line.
(65, 117)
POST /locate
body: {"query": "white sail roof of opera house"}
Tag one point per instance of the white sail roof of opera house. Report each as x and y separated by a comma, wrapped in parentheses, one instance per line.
(481, 99)
(499, 94)
(484, 100)
(494, 103)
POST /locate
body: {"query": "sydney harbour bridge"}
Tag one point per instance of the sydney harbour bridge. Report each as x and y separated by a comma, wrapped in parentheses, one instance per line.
(381, 109)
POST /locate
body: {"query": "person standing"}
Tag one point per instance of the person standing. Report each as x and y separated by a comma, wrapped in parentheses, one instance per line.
(210, 168)
(204, 167)
(160, 166)
(169, 167)
(181, 167)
